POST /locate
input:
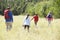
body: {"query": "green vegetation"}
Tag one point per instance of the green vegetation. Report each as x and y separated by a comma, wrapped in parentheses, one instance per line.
(42, 7)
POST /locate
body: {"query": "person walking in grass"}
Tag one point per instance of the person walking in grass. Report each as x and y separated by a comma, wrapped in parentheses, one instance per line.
(49, 18)
(8, 18)
(26, 23)
(36, 19)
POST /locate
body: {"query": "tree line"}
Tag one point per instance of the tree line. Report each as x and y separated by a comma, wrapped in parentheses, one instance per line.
(41, 7)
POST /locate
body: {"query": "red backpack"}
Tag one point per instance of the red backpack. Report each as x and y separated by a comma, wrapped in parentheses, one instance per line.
(6, 14)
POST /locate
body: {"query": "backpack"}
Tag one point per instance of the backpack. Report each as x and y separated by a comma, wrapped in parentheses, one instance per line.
(49, 16)
(6, 14)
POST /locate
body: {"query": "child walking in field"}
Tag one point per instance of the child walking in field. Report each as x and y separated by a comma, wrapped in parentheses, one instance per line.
(26, 23)
(49, 18)
(36, 18)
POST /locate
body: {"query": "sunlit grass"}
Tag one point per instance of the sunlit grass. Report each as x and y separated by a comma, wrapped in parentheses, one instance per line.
(42, 32)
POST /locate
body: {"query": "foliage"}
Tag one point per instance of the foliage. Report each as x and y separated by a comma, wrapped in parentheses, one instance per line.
(41, 7)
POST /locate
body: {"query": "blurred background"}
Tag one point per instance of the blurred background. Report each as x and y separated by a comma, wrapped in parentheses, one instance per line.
(41, 7)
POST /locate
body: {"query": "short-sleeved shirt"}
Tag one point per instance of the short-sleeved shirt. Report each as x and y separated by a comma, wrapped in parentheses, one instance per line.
(27, 21)
(35, 18)
(9, 16)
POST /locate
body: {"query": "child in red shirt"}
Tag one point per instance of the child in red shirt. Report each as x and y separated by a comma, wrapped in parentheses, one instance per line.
(36, 18)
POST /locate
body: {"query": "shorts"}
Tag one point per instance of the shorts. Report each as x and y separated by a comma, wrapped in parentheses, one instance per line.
(49, 19)
(36, 21)
(8, 23)
(26, 26)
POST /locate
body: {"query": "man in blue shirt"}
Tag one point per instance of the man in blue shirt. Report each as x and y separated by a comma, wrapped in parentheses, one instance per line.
(8, 18)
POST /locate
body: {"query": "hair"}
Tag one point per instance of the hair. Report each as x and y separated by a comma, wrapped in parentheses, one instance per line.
(27, 16)
(8, 7)
(36, 14)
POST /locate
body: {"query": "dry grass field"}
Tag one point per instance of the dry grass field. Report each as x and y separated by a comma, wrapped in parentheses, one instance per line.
(42, 32)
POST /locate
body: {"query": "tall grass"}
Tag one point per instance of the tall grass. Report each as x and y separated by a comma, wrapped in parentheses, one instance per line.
(42, 32)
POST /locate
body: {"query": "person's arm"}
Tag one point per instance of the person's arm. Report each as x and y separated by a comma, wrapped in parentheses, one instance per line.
(11, 16)
(38, 17)
(23, 21)
(32, 18)
(52, 18)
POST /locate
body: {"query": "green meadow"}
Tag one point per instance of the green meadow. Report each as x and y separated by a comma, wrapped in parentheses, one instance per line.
(41, 32)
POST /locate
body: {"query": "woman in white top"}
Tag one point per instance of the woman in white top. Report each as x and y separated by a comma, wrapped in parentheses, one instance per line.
(27, 22)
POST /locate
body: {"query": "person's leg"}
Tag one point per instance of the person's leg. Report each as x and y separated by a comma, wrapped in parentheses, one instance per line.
(49, 22)
(24, 26)
(10, 25)
(35, 24)
(28, 27)
(7, 26)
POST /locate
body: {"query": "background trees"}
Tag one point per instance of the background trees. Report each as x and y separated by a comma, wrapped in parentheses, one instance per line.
(42, 7)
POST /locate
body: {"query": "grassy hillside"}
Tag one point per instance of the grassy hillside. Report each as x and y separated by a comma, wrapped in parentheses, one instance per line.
(42, 32)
